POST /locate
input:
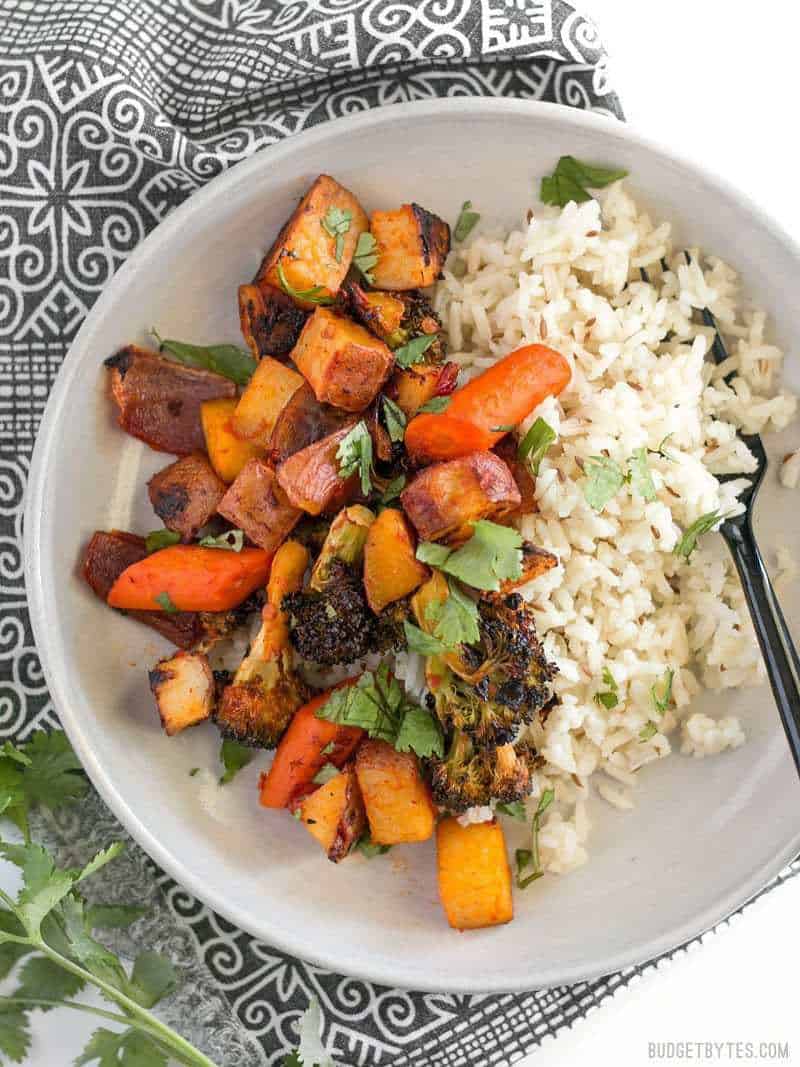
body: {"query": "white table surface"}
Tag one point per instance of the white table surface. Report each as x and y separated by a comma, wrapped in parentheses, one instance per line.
(717, 79)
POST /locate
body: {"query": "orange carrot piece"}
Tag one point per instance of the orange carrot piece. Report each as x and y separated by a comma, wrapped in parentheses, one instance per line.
(502, 396)
(305, 748)
(193, 578)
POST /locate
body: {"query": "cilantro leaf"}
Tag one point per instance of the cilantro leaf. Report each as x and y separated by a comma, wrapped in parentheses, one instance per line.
(54, 776)
(395, 419)
(456, 619)
(420, 642)
(604, 479)
(571, 178)
(228, 360)
(688, 542)
(467, 220)
(325, 774)
(529, 858)
(534, 445)
(515, 809)
(492, 555)
(412, 352)
(433, 553)
(609, 699)
(336, 223)
(158, 539)
(367, 847)
(640, 476)
(355, 454)
(317, 294)
(394, 489)
(68, 931)
(648, 731)
(661, 702)
(232, 540)
(233, 758)
(11, 952)
(435, 406)
(164, 601)
(113, 916)
(15, 1037)
(420, 732)
(41, 977)
(103, 857)
(366, 255)
(44, 885)
(131, 1048)
(153, 978)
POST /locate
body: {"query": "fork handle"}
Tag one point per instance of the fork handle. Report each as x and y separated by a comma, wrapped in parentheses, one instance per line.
(777, 648)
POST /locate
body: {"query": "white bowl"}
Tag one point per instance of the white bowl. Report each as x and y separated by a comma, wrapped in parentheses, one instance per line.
(705, 835)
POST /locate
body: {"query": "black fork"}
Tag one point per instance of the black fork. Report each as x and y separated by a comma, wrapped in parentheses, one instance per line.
(777, 647)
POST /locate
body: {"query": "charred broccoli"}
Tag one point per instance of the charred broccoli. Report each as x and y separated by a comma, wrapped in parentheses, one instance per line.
(398, 317)
(502, 679)
(468, 776)
(258, 707)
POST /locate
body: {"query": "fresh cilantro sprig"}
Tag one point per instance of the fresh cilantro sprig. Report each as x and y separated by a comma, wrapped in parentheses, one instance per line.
(492, 555)
(467, 221)
(691, 535)
(227, 360)
(51, 928)
(571, 179)
(378, 704)
(355, 454)
(529, 865)
(336, 223)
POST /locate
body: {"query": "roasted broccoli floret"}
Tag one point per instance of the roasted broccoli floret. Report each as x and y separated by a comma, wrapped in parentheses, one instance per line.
(333, 626)
(397, 317)
(258, 707)
(468, 776)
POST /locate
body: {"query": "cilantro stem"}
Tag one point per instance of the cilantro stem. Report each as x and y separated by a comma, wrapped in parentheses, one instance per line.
(43, 1002)
(139, 1017)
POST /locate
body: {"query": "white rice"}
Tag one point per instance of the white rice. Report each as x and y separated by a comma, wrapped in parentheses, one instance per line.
(620, 598)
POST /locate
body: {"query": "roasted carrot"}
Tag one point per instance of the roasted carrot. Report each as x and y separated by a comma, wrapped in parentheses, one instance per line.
(190, 578)
(305, 748)
(502, 396)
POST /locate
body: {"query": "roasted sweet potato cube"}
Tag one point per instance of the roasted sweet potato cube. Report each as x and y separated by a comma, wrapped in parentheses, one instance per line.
(305, 249)
(302, 422)
(474, 875)
(414, 386)
(381, 313)
(310, 478)
(397, 800)
(334, 814)
(412, 245)
(391, 568)
(444, 500)
(535, 562)
(184, 688)
(343, 363)
(256, 504)
(159, 400)
(185, 494)
(228, 454)
(270, 320)
(265, 396)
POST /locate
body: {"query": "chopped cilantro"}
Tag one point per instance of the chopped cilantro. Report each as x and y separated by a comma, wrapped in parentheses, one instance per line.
(395, 419)
(366, 256)
(571, 178)
(336, 224)
(534, 445)
(688, 542)
(355, 454)
(467, 220)
(158, 539)
(414, 350)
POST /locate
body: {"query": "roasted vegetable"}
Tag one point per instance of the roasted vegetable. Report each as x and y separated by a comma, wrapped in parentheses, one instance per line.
(306, 250)
(184, 688)
(343, 363)
(474, 875)
(286, 576)
(305, 748)
(444, 500)
(265, 396)
(270, 320)
(419, 384)
(190, 578)
(310, 478)
(109, 554)
(159, 400)
(301, 423)
(478, 412)
(397, 800)
(471, 777)
(397, 317)
(506, 449)
(226, 452)
(185, 494)
(391, 568)
(257, 504)
(412, 245)
(334, 626)
(334, 814)
(535, 562)
(345, 541)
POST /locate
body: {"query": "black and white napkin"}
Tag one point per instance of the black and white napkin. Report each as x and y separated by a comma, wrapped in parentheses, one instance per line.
(111, 113)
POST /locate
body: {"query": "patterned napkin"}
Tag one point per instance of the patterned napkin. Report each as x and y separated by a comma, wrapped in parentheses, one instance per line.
(111, 113)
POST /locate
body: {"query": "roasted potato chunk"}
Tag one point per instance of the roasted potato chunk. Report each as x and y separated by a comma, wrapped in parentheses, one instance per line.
(334, 814)
(302, 422)
(343, 363)
(535, 562)
(185, 494)
(270, 320)
(227, 453)
(306, 251)
(391, 568)
(310, 478)
(474, 875)
(411, 387)
(184, 688)
(398, 803)
(265, 396)
(444, 500)
(412, 245)
(159, 400)
(506, 449)
(256, 504)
